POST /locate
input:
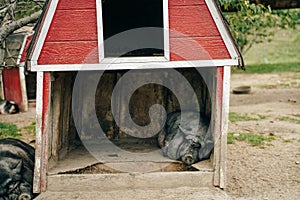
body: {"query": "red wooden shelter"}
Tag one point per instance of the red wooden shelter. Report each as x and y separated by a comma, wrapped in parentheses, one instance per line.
(12, 74)
(93, 36)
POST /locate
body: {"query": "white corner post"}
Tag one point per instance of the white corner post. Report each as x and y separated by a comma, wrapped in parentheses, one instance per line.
(224, 127)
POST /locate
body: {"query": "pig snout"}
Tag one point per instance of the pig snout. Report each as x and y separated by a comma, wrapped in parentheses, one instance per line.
(25, 196)
(188, 159)
(189, 152)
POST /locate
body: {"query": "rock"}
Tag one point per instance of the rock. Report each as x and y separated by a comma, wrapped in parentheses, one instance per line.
(236, 135)
(292, 100)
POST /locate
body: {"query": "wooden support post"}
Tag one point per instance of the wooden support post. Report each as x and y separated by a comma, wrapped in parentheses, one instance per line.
(224, 125)
(217, 116)
(42, 110)
(38, 141)
(23, 89)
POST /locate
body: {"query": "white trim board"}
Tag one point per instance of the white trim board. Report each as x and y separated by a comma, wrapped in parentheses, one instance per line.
(224, 122)
(39, 138)
(166, 29)
(22, 49)
(145, 65)
(44, 29)
(1, 85)
(166, 55)
(23, 87)
(100, 29)
(22, 74)
(132, 63)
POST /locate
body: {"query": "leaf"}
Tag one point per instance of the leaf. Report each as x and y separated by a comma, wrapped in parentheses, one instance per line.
(250, 21)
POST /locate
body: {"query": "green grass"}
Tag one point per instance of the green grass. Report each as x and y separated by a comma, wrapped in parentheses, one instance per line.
(253, 139)
(279, 55)
(289, 119)
(28, 130)
(270, 68)
(296, 38)
(287, 140)
(8, 130)
(235, 117)
(284, 48)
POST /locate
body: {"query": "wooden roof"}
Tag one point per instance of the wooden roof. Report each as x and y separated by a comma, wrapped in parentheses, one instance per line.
(11, 54)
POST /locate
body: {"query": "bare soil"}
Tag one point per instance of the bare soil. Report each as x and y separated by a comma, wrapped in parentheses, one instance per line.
(22, 120)
(271, 171)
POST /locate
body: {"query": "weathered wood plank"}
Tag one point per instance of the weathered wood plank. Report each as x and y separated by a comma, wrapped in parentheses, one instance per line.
(61, 98)
(73, 25)
(105, 182)
(66, 99)
(38, 142)
(140, 103)
(192, 21)
(69, 52)
(56, 114)
(198, 48)
(75, 4)
(43, 129)
(103, 103)
(46, 128)
(218, 125)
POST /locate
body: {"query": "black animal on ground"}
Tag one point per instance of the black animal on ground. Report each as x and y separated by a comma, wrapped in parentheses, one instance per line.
(186, 137)
(8, 107)
(16, 170)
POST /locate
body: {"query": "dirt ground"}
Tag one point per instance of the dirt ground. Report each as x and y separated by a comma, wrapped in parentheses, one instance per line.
(271, 171)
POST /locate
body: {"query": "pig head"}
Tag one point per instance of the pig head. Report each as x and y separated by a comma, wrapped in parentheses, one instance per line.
(187, 140)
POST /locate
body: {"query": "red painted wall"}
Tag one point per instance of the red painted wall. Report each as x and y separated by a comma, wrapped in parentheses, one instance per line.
(72, 37)
(12, 86)
(27, 43)
(201, 38)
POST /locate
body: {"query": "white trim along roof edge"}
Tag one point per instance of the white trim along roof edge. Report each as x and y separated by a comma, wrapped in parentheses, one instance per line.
(51, 8)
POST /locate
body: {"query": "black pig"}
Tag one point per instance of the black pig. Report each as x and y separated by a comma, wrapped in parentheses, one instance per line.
(16, 170)
(187, 140)
(8, 107)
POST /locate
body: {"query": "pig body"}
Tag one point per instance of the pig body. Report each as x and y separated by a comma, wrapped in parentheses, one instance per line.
(185, 137)
(16, 170)
(8, 107)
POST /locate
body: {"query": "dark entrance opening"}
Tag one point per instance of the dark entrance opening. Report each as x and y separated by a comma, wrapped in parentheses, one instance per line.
(130, 15)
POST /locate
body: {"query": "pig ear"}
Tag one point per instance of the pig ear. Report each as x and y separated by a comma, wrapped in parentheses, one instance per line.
(185, 131)
(197, 144)
(16, 166)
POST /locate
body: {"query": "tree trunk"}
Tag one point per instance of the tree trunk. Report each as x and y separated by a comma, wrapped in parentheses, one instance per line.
(9, 28)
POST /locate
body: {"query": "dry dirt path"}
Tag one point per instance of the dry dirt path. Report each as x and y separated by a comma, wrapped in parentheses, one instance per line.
(270, 171)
